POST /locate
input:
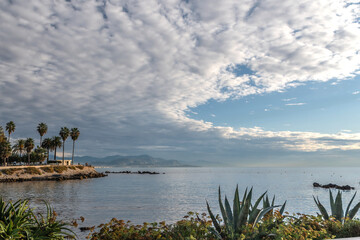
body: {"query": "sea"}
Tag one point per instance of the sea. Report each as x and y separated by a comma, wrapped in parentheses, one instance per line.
(174, 192)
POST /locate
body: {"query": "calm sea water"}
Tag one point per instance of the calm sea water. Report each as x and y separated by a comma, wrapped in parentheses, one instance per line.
(170, 196)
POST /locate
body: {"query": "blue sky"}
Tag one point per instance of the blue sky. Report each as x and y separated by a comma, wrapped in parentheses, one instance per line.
(325, 107)
(245, 83)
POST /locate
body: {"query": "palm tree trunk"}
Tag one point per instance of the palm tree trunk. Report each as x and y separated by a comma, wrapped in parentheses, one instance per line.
(40, 140)
(72, 159)
(63, 153)
(9, 137)
(55, 154)
(47, 160)
(28, 158)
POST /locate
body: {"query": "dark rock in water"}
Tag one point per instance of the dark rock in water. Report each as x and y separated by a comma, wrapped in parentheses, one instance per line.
(83, 229)
(138, 172)
(331, 185)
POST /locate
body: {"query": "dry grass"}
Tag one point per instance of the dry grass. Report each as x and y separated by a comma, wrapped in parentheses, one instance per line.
(72, 167)
(10, 171)
(47, 169)
(32, 171)
(80, 167)
(60, 169)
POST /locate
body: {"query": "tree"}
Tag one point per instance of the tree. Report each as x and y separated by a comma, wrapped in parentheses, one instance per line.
(75, 133)
(10, 128)
(29, 146)
(5, 150)
(38, 155)
(64, 133)
(19, 146)
(55, 143)
(42, 130)
(47, 144)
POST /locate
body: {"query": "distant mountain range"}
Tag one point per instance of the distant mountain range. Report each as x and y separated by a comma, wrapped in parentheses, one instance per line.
(130, 161)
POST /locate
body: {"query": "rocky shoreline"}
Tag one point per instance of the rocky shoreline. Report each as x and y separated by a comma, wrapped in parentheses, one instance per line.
(138, 172)
(331, 185)
(48, 173)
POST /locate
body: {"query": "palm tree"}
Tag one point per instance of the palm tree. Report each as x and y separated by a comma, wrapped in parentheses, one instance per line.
(74, 136)
(64, 133)
(47, 144)
(5, 150)
(42, 130)
(55, 143)
(10, 128)
(29, 146)
(19, 146)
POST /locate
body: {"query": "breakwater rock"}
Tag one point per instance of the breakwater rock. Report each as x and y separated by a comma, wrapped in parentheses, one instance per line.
(330, 185)
(48, 173)
(138, 172)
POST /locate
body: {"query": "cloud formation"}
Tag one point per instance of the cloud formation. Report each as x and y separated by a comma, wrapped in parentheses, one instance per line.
(126, 72)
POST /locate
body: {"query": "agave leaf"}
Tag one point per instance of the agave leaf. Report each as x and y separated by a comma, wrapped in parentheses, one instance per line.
(236, 207)
(213, 231)
(244, 212)
(348, 207)
(266, 202)
(223, 213)
(263, 212)
(332, 204)
(229, 212)
(273, 201)
(322, 209)
(245, 195)
(254, 210)
(353, 211)
(339, 212)
(215, 222)
(282, 208)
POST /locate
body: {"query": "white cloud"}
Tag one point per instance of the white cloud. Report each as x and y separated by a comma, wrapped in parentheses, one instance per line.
(295, 104)
(126, 75)
(356, 92)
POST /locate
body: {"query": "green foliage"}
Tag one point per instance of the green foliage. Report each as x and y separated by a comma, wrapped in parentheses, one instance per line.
(243, 213)
(17, 221)
(47, 169)
(10, 171)
(350, 228)
(32, 171)
(60, 169)
(192, 227)
(337, 209)
(80, 167)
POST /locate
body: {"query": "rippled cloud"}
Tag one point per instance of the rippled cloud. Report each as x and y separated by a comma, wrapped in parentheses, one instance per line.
(125, 72)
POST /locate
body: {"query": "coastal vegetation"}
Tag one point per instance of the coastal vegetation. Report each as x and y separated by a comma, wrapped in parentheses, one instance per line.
(24, 150)
(246, 220)
(19, 221)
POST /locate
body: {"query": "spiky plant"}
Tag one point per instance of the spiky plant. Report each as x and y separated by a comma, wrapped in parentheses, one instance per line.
(337, 209)
(242, 213)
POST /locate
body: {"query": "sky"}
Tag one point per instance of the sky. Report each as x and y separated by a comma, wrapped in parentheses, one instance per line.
(232, 83)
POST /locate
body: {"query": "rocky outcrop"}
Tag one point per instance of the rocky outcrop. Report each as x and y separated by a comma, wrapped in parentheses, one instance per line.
(138, 172)
(43, 174)
(330, 185)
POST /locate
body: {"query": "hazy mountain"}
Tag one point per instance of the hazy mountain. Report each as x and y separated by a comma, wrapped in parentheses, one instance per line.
(130, 161)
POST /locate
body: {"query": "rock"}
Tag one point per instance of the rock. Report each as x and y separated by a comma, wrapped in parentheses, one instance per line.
(331, 185)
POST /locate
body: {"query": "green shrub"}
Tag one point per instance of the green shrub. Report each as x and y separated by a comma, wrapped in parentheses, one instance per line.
(47, 169)
(18, 221)
(351, 228)
(60, 169)
(81, 167)
(192, 227)
(10, 171)
(72, 167)
(32, 170)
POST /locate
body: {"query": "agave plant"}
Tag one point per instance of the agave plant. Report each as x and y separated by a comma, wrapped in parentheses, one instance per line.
(266, 204)
(337, 209)
(242, 213)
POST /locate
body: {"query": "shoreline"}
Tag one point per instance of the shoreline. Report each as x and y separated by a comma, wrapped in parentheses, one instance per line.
(48, 173)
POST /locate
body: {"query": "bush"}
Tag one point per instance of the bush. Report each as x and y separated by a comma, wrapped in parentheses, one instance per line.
(60, 169)
(18, 221)
(72, 167)
(351, 228)
(80, 167)
(32, 170)
(10, 171)
(191, 227)
(47, 169)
